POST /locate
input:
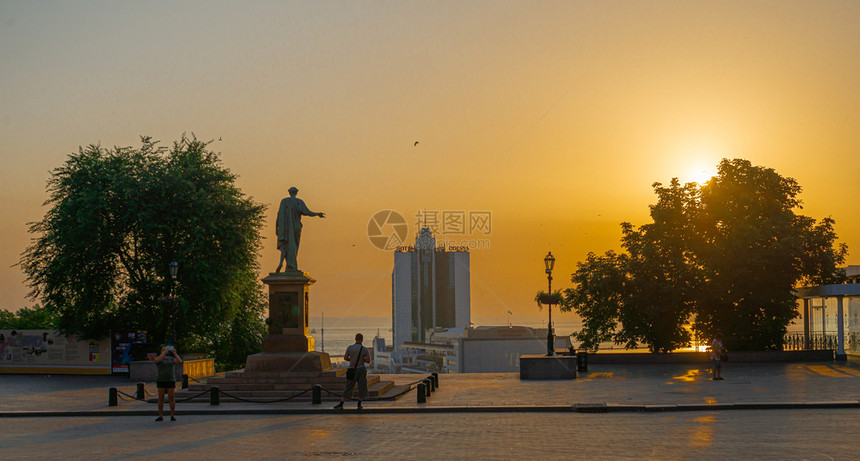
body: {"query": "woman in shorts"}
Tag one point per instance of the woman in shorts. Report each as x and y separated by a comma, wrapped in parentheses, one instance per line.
(717, 351)
(166, 379)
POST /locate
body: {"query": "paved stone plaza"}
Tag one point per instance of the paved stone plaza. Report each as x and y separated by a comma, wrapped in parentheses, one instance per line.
(654, 412)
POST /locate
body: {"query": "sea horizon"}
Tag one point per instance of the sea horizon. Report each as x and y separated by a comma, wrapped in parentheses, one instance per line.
(337, 333)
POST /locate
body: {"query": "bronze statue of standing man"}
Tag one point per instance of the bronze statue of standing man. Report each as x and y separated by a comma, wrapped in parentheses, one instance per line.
(289, 228)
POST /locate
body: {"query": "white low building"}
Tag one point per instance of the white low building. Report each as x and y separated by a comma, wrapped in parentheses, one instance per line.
(478, 350)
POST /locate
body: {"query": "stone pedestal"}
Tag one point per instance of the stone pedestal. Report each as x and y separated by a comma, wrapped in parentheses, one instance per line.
(288, 313)
(287, 362)
(547, 367)
(288, 347)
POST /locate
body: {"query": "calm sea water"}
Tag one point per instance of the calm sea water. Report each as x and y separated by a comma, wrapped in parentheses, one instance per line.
(335, 334)
(340, 332)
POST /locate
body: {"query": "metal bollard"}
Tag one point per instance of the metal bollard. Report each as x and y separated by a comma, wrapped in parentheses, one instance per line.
(432, 383)
(185, 381)
(214, 395)
(141, 393)
(422, 394)
(317, 395)
(582, 360)
(112, 396)
(435, 379)
(427, 386)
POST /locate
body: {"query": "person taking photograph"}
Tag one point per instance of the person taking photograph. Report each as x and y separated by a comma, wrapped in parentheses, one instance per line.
(718, 355)
(166, 379)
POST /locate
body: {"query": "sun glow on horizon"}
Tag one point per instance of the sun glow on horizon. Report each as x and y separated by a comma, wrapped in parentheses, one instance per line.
(699, 174)
(699, 159)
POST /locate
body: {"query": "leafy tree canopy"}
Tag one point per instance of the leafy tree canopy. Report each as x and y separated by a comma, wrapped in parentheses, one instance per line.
(118, 217)
(727, 254)
(35, 318)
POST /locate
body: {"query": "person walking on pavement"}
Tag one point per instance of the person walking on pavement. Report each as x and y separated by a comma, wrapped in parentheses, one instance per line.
(717, 353)
(356, 374)
(166, 380)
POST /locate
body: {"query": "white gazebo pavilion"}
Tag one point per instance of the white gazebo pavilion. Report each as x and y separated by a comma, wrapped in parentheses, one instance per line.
(850, 290)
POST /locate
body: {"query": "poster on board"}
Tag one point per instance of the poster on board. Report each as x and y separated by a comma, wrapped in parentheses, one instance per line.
(121, 342)
(50, 352)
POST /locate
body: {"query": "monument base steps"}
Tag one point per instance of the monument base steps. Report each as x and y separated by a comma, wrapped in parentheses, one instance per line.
(268, 386)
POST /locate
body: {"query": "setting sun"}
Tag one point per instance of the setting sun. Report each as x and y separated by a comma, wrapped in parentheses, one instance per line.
(698, 159)
(700, 173)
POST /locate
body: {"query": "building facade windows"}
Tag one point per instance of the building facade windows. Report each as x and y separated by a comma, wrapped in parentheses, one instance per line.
(430, 289)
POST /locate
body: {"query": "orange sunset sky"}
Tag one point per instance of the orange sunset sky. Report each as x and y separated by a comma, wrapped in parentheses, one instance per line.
(556, 117)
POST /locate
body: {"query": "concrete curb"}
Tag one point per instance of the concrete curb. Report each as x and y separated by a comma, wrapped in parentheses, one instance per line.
(750, 357)
(575, 408)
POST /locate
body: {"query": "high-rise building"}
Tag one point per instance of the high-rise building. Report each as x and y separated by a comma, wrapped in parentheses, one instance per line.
(429, 289)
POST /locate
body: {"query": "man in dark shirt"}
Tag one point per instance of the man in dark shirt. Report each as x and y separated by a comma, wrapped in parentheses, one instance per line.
(358, 356)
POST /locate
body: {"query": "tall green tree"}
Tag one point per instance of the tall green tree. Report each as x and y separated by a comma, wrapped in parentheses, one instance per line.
(727, 254)
(27, 318)
(754, 249)
(118, 217)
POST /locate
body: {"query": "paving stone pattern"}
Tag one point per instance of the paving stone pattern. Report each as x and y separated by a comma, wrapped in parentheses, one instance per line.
(475, 416)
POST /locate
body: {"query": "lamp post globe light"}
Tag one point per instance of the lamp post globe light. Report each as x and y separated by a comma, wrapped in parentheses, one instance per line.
(549, 262)
(173, 267)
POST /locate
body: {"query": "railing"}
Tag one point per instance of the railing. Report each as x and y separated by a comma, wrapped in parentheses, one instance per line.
(813, 341)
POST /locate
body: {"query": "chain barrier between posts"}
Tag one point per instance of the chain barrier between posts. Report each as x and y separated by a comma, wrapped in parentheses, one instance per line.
(127, 397)
(409, 388)
(226, 394)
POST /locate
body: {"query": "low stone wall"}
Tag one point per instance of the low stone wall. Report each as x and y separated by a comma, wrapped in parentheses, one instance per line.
(146, 370)
(699, 357)
(547, 367)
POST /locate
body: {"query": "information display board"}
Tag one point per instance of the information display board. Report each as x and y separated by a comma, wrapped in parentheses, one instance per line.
(50, 352)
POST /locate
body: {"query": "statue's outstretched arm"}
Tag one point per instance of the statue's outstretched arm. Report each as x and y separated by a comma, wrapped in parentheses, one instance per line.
(308, 212)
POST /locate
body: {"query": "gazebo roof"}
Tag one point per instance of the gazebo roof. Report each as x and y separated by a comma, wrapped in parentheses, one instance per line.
(822, 291)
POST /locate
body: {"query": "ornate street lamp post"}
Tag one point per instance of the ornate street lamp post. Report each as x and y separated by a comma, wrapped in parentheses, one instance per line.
(173, 268)
(549, 262)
